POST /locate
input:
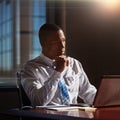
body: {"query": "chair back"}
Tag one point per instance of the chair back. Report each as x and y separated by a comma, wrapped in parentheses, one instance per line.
(23, 98)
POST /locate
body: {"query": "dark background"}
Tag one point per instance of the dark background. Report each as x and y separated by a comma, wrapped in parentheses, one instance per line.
(93, 37)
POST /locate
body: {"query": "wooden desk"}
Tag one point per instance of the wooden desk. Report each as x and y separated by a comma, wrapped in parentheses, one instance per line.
(75, 114)
(112, 113)
(47, 114)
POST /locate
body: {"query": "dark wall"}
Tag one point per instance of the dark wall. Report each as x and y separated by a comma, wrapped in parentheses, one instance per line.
(93, 37)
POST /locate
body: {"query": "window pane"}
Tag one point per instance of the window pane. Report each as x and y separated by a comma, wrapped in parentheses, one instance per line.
(36, 44)
(39, 7)
(39, 18)
(37, 22)
(6, 26)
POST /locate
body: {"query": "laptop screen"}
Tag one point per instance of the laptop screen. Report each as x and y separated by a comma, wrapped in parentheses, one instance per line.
(108, 93)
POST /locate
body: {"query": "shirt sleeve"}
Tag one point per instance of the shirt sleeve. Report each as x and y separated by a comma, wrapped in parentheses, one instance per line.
(86, 90)
(39, 88)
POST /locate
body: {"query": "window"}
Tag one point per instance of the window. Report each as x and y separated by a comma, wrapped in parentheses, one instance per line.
(6, 38)
(11, 26)
(39, 18)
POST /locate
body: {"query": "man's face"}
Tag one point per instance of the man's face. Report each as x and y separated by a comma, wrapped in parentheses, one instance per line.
(55, 44)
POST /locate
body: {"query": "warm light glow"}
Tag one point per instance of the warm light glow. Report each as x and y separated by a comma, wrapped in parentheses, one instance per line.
(110, 4)
(108, 8)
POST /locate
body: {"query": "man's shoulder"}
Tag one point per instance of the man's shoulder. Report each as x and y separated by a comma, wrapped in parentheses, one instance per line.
(72, 59)
(33, 61)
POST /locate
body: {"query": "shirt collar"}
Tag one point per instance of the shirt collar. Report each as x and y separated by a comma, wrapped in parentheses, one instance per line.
(47, 60)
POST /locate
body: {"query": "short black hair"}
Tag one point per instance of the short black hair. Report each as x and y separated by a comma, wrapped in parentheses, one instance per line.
(45, 30)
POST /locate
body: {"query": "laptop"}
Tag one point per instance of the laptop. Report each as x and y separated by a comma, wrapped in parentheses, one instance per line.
(108, 93)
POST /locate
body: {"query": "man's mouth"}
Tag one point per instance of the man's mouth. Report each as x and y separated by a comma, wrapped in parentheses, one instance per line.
(62, 52)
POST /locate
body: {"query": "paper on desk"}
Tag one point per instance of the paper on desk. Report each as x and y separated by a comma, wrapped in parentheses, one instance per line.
(66, 108)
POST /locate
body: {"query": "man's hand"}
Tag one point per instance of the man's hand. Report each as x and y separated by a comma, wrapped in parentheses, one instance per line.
(61, 62)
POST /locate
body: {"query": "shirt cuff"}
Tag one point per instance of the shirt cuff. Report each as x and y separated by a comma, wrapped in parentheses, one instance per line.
(56, 75)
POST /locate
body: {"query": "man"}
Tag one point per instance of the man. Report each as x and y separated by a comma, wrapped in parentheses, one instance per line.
(53, 78)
